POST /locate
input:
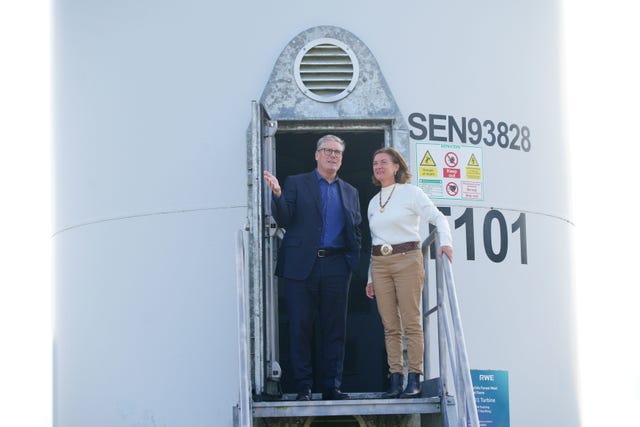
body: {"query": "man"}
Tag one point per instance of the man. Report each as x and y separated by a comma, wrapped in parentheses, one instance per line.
(320, 249)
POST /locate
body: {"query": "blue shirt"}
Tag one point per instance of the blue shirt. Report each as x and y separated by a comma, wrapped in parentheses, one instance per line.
(332, 214)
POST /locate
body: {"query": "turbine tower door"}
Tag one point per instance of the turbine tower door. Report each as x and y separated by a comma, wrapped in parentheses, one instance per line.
(263, 293)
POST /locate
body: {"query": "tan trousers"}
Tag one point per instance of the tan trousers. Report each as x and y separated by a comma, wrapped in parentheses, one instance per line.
(398, 280)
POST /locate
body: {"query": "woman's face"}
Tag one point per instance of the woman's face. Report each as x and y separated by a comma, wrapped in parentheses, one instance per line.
(384, 169)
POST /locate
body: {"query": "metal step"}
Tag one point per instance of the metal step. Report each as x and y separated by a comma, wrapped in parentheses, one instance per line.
(359, 404)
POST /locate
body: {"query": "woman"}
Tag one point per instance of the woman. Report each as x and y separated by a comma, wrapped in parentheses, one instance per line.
(396, 275)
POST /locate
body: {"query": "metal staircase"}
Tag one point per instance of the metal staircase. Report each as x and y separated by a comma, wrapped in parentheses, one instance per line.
(447, 399)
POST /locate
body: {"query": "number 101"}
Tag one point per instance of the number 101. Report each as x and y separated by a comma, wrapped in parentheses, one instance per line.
(493, 218)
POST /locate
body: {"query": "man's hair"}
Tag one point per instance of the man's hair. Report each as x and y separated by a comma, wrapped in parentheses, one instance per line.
(328, 138)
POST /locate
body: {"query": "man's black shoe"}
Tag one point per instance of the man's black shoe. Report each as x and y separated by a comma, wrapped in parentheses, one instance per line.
(334, 394)
(304, 395)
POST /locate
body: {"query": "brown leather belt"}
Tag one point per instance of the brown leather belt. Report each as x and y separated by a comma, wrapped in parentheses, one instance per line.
(382, 250)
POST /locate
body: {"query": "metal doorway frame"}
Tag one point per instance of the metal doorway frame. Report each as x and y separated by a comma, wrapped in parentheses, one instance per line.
(265, 370)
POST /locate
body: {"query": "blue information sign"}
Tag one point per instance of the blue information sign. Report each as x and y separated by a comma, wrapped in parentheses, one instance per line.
(491, 390)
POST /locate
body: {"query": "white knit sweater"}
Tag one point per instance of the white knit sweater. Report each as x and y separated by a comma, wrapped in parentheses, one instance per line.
(400, 221)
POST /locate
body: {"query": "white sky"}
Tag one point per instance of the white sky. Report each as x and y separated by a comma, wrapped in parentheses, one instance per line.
(602, 46)
(603, 93)
(25, 230)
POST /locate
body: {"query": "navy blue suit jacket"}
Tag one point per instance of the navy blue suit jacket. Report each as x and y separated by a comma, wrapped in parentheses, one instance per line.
(299, 211)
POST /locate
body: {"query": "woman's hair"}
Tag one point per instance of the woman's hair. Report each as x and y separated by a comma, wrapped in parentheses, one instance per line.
(403, 175)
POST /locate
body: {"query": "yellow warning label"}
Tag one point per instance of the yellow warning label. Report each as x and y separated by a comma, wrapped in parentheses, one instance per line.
(473, 173)
(473, 161)
(427, 160)
(428, 171)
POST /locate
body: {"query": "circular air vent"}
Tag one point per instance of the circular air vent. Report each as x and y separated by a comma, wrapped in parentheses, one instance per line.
(326, 70)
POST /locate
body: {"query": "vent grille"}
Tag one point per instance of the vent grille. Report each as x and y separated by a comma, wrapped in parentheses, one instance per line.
(326, 70)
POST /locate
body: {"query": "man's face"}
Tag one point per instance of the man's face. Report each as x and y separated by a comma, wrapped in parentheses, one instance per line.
(329, 163)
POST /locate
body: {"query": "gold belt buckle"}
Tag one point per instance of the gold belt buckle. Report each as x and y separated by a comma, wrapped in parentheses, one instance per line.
(386, 249)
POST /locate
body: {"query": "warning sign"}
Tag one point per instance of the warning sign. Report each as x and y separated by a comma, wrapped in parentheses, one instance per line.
(452, 189)
(473, 173)
(449, 172)
(473, 169)
(427, 166)
(428, 171)
(451, 159)
(471, 190)
(427, 160)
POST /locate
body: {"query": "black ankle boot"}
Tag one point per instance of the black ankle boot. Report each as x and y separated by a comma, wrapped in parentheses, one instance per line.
(413, 386)
(396, 386)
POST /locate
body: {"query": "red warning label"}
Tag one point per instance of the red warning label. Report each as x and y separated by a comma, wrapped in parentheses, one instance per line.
(451, 173)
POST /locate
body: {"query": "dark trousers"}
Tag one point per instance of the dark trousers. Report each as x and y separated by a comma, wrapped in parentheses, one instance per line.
(322, 297)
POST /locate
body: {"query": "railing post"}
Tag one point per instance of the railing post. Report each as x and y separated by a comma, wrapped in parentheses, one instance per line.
(243, 411)
(442, 330)
(463, 360)
(425, 309)
(446, 341)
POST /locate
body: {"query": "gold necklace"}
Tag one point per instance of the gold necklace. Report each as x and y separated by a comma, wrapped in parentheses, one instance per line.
(382, 206)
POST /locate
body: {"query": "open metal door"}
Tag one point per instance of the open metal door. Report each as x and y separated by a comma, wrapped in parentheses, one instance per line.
(263, 292)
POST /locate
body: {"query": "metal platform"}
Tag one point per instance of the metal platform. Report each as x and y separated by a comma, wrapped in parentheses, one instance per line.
(359, 404)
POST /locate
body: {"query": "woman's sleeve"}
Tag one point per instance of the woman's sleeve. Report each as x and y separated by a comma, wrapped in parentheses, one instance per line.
(430, 212)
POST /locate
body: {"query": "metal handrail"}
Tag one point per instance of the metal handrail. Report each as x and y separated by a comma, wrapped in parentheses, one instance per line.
(452, 347)
(243, 409)
(450, 338)
(464, 369)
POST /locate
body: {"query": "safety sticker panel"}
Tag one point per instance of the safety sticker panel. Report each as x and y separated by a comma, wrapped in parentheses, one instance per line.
(449, 172)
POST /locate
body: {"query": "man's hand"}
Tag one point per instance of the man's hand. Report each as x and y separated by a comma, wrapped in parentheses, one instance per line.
(273, 183)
